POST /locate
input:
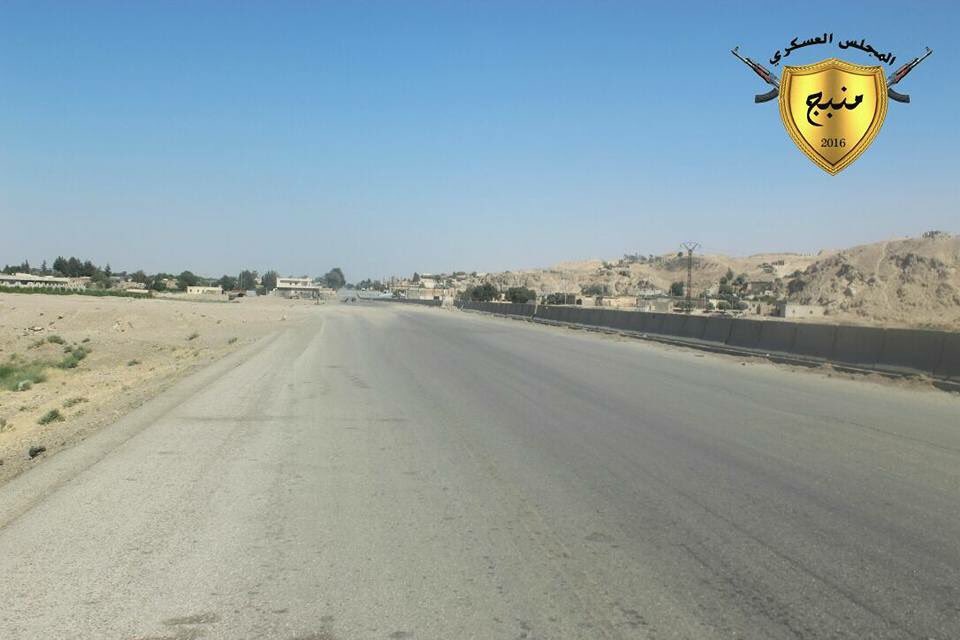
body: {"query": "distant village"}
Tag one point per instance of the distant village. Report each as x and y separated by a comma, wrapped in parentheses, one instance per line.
(71, 275)
(732, 294)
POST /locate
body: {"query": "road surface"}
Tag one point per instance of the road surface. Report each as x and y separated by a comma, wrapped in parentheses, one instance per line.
(393, 472)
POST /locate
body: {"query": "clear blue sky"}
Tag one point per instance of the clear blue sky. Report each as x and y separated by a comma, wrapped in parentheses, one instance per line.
(388, 137)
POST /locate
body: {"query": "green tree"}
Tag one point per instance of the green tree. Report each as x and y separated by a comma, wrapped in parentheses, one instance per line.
(157, 282)
(373, 285)
(595, 289)
(60, 265)
(481, 293)
(335, 278)
(101, 280)
(227, 283)
(74, 267)
(248, 280)
(561, 298)
(186, 279)
(676, 289)
(520, 294)
(269, 281)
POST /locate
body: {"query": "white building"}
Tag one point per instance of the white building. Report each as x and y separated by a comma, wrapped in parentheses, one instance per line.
(298, 288)
(28, 280)
(205, 291)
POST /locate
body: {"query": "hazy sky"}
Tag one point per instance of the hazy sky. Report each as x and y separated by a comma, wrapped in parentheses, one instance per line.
(388, 137)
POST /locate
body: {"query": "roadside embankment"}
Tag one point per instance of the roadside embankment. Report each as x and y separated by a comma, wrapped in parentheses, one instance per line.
(71, 364)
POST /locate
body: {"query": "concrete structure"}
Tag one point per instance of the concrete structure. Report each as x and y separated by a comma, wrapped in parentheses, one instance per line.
(30, 281)
(657, 305)
(794, 310)
(205, 291)
(760, 309)
(129, 285)
(617, 302)
(650, 292)
(422, 293)
(298, 288)
(427, 281)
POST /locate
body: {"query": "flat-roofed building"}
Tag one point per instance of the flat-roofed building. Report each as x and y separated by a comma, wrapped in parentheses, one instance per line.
(298, 288)
(205, 291)
(30, 281)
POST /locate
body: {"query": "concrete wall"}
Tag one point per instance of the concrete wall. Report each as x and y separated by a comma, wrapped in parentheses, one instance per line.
(424, 303)
(910, 351)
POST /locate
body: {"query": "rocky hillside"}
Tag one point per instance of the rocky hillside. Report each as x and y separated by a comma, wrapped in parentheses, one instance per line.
(633, 275)
(911, 282)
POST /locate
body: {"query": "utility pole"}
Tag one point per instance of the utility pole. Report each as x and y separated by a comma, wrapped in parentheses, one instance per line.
(690, 247)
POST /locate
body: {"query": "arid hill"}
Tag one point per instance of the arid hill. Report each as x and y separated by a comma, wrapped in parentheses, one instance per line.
(912, 282)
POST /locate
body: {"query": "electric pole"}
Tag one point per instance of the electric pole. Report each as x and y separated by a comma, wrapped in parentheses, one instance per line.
(690, 247)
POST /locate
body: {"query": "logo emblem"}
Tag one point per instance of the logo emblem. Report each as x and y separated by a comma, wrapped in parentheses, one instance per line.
(833, 110)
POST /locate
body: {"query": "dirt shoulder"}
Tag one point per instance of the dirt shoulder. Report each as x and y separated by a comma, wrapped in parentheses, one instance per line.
(82, 362)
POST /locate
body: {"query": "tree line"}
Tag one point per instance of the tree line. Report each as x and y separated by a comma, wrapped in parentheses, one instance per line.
(106, 278)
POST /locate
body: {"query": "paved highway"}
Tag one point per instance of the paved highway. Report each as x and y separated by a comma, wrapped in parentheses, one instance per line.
(394, 472)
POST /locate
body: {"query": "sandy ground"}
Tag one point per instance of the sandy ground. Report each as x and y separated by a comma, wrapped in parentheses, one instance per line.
(137, 349)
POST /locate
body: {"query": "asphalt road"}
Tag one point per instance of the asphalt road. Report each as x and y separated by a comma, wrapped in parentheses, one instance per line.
(394, 472)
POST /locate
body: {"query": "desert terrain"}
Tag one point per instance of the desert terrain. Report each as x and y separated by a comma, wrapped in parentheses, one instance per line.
(74, 363)
(903, 282)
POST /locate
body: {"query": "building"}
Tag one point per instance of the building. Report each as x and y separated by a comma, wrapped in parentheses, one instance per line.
(650, 292)
(298, 288)
(760, 287)
(30, 281)
(127, 285)
(205, 291)
(617, 302)
(760, 308)
(657, 305)
(427, 281)
(794, 310)
(422, 293)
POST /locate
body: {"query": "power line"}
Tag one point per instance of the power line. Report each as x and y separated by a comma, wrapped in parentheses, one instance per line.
(690, 247)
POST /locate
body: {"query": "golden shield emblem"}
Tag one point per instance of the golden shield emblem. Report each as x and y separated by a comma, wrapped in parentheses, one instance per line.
(833, 110)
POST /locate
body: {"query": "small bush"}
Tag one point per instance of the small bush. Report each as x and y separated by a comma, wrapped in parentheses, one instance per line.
(55, 340)
(193, 336)
(72, 402)
(73, 358)
(85, 340)
(232, 340)
(53, 415)
(133, 363)
(36, 345)
(20, 376)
